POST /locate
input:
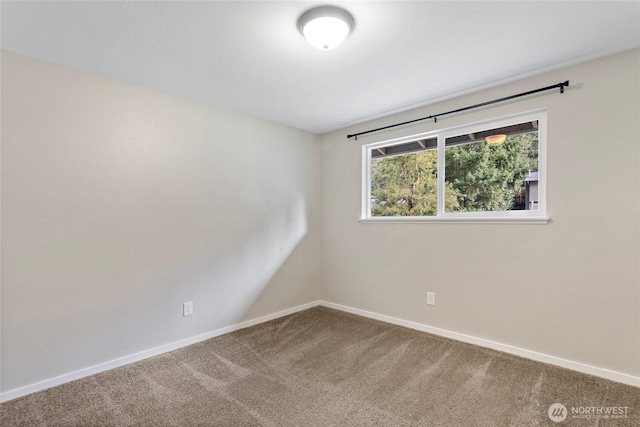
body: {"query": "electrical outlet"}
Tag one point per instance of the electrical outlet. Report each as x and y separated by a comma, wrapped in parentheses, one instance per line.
(431, 298)
(187, 309)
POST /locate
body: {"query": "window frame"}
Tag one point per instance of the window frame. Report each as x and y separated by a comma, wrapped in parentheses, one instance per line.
(538, 216)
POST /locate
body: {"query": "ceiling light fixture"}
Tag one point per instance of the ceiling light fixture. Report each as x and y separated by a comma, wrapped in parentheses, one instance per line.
(495, 140)
(325, 27)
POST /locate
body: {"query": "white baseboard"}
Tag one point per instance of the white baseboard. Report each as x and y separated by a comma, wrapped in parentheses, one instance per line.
(125, 360)
(528, 354)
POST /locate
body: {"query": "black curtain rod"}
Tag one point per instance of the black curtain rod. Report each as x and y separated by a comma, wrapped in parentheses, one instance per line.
(435, 116)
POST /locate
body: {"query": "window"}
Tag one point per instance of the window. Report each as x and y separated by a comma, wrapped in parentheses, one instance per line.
(489, 171)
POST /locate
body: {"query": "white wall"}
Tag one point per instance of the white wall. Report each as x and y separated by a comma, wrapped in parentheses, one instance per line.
(583, 302)
(120, 203)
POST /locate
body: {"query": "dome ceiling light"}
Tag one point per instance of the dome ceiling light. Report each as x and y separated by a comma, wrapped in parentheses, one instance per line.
(325, 27)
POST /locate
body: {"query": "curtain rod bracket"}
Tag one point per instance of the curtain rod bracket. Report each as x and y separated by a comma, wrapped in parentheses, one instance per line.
(562, 85)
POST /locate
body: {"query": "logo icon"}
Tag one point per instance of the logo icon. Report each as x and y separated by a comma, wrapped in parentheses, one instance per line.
(557, 412)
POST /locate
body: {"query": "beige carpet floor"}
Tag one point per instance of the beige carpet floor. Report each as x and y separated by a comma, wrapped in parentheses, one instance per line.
(322, 367)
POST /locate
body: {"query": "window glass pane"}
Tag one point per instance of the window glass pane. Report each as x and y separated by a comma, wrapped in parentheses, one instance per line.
(498, 176)
(405, 185)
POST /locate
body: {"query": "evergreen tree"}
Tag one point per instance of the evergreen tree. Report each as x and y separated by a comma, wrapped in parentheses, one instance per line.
(478, 177)
(406, 185)
(486, 178)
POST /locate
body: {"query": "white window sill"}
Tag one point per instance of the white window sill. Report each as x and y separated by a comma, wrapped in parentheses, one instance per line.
(457, 220)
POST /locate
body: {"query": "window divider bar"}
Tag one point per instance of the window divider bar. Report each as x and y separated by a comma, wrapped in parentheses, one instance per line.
(441, 173)
(561, 85)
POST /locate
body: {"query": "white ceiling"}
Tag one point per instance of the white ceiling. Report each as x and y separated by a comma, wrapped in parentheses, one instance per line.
(249, 56)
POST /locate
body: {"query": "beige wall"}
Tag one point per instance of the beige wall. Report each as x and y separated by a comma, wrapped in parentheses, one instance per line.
(120, 203)
(583, 302)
